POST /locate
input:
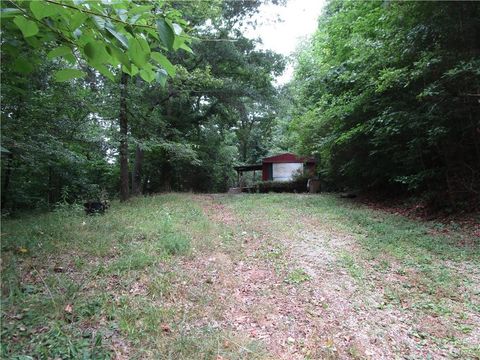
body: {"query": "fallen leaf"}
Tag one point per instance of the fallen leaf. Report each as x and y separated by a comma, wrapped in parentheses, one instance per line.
(69, 308)
(22, 250)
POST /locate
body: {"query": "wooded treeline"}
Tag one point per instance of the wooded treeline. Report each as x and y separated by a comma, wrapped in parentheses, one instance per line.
(387, 96)
(166, 97)
(64, 141)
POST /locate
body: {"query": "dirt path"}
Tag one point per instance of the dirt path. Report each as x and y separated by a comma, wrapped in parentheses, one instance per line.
(302, 291)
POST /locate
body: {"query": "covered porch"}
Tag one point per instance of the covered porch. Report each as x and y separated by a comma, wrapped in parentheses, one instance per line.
(241, 169)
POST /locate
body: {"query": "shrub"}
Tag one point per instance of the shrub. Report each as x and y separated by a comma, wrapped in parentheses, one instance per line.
(298, 185)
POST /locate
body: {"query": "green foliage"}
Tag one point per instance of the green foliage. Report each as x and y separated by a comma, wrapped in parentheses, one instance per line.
(385, 97)
(106, 35)
(60, 125)
(68, 74)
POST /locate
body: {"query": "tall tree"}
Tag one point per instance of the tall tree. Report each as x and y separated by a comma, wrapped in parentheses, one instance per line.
(122, 37)
(387, 98)
(123, 116)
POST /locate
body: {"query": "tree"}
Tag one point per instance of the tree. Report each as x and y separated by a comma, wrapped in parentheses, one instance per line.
(121, 35)
(387, 98)
(70, 139)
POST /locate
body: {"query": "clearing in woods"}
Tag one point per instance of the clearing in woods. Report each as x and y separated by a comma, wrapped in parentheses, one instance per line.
(184, 276)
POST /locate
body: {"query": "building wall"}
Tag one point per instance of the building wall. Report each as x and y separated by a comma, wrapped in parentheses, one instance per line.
(285, 166)
(285, 171)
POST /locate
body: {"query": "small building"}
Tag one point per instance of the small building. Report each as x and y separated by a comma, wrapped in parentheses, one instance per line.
(284, 167)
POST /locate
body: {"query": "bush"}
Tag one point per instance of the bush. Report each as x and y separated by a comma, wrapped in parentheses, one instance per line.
(298, 185)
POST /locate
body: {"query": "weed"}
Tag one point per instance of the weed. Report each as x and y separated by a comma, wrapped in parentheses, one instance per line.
(348, 261)
(297, 276)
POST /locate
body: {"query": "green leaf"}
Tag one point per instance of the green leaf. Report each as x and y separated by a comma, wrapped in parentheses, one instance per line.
(60, 51)
(96, 52)
(120, 37)
(70, 58)
(27, 27)
(68, 74)
(77, 19)
(119, 55)
(9, 12)
(105, 72)
(130, 70)
(144, 44)
(166, 33)
(186, 48)
(22, 66)
(179, 43)
(161, 77)
(42, 9)
(164, 62)
(139, 9)
(137, 53)
(147, 74)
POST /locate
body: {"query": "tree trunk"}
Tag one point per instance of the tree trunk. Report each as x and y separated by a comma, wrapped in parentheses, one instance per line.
(6, 179)
(137, 172)
(124, 186)
(53, 186)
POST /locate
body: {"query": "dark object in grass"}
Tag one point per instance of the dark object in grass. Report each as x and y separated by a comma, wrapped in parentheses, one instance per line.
(348, 196)
(96, 207)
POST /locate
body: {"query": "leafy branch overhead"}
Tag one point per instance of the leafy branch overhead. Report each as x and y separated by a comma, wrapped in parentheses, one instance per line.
(108, 36)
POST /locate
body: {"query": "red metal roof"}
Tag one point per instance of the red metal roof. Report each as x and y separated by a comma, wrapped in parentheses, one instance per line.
(288, 158)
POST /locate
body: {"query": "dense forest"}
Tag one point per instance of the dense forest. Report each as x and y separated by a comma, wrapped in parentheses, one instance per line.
(387, 95)
(107, 100)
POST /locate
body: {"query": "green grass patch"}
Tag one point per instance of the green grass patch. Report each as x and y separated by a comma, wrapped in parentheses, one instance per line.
(63, 273)
(347, 261)
(297, 276)
(71, 283)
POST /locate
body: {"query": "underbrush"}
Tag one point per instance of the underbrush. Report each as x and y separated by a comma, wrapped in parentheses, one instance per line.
(297, 186)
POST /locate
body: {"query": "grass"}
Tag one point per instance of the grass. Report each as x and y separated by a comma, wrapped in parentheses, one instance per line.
(76, 286)
(434, 267)
(297, 276)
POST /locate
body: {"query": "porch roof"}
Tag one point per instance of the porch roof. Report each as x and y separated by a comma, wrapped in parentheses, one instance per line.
(252, 167)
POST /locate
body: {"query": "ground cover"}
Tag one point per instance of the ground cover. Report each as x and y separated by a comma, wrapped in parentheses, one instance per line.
(258, 276)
